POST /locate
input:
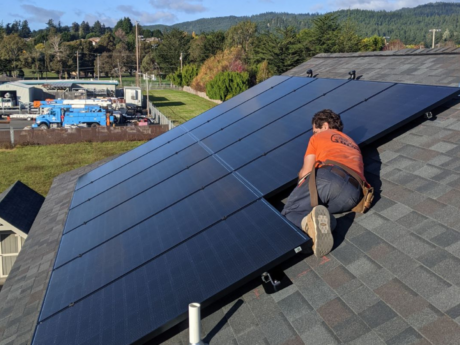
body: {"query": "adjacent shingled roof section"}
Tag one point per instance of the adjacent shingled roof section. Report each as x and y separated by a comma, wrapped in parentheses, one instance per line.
(22, 295)
(19, 205)
(414, 66)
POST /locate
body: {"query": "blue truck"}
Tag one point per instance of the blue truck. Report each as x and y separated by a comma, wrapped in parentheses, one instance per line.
(62, 115)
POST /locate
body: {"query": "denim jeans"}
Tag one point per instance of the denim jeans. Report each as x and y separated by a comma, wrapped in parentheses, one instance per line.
(335, 191)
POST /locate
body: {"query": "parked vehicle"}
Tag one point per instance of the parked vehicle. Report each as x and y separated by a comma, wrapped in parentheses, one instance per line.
(64, 116)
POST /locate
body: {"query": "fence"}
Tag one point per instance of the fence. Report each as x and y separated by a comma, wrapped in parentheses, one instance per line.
(200, 94)
(159, 118)
(76, 135)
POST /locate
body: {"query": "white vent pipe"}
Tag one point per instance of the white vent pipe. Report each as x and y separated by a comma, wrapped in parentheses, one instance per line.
(194, 324)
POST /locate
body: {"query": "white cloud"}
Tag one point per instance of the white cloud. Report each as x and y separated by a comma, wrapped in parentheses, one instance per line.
(317, 8)
(387, 5)
(187, 6)
(148, 18)
(41, 15)
(103, 19)
(15, 15)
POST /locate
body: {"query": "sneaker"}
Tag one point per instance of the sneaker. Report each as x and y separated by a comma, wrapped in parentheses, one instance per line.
(317, 225)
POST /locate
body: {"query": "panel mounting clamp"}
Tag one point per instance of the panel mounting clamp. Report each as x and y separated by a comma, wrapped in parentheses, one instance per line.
(429, 115)
(267, 278)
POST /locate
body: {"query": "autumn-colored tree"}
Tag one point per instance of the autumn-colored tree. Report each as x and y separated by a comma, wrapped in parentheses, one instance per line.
(264, 71)
(230, 60)
(395, 44)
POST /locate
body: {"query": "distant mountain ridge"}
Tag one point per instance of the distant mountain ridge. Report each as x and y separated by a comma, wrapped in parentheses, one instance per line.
(411, 25)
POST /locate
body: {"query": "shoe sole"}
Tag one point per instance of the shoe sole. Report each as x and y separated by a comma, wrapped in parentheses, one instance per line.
(319, 221)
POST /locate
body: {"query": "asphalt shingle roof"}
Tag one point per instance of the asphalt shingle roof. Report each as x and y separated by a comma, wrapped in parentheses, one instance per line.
(19, 205)
(415, 66)
(392, 277)
(22, 295)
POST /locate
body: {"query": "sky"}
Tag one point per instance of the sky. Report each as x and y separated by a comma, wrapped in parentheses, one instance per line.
(148, 12)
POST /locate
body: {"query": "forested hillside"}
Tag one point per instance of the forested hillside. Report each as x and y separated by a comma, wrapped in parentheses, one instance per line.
(410, 25)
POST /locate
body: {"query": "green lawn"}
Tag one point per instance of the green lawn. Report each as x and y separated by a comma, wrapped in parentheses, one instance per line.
(179, 106)
(37, 166)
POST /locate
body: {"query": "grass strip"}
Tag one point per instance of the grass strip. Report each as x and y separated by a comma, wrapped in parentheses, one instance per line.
(37, 166)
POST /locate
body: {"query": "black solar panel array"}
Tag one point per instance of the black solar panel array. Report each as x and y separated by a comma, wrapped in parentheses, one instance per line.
(182, 218)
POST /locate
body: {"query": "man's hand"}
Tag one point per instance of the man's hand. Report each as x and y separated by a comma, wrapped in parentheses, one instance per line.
(308, 163)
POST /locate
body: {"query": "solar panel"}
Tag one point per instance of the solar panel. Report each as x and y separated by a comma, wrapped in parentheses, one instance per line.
(245, 109)
(182, 150)
(130, 156)
(233, 102)
(146, 241)
(181, 130)
(182, 218)
(136, 305)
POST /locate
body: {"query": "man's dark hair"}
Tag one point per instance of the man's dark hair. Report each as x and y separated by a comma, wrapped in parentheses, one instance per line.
(328, 116)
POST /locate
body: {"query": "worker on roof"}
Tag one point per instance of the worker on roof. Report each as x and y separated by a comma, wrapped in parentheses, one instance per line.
(332, 176)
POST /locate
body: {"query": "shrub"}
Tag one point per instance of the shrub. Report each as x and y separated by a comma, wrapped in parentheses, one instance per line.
(175, 78)
(184, 78)
(189, 72)
(227, 84)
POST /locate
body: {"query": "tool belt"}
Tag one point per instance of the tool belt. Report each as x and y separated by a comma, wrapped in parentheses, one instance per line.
(368, 190)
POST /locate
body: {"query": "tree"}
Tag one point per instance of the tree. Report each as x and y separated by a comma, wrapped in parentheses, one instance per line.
(282, 50)
(25, 30)
(11, 47)
(34, 59)
(229, 60)
(149, 65)
(75, 27)
(106, 64)
(348, 41)
(325, 33)
(227, 85)
(106, 43)
(264, 71)
(241, 35)
(120, 59)
(374, 43)
(124, 24)
(97, 28)
(169, 51)
(84, 29)
(50, 24)
(60, 51)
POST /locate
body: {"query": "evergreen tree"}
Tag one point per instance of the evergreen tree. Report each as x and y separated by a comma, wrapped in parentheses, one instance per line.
(25, 30)
(169, 51)
(97, 28)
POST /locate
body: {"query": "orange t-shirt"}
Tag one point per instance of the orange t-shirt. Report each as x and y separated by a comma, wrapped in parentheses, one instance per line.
(336, 146)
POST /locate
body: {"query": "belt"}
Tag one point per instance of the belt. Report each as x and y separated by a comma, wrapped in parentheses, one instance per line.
(342, 174)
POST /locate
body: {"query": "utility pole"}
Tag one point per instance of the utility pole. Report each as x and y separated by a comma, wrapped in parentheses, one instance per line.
(137, 58)
(46, 59)
(78, 65)
(148, 99)
(180, 62)
(434, 33)
(98, 66)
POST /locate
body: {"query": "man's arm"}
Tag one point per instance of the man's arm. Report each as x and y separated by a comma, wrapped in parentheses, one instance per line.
(308, 163)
